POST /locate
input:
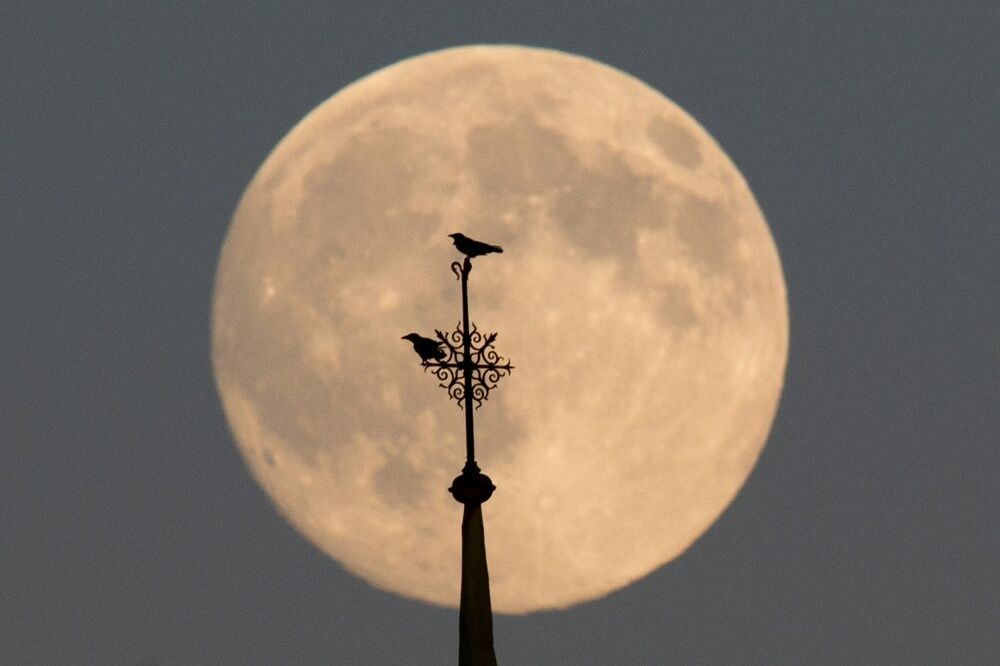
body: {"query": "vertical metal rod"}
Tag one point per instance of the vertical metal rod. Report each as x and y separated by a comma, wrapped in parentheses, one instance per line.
(470, 443)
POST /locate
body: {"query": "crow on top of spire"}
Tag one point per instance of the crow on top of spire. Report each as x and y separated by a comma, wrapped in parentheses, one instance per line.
(473, 248)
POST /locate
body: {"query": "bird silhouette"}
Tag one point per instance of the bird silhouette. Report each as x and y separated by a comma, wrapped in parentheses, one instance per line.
(473, 248)
(427, 348)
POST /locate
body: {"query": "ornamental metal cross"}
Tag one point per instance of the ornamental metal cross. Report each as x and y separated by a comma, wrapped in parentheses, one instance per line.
(469, 368)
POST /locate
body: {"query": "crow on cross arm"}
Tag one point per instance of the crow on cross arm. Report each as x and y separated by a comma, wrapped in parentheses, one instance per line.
(428, 349)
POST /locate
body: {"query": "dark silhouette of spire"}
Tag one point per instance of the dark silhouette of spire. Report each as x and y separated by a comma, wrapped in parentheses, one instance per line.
(475, 617)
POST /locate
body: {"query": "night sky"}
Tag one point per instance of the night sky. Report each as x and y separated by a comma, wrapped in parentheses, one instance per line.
(132, 532)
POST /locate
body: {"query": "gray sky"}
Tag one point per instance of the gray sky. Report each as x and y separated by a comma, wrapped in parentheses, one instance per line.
(131, 531)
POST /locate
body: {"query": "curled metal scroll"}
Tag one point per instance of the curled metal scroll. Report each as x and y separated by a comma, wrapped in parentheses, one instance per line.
(486, 366)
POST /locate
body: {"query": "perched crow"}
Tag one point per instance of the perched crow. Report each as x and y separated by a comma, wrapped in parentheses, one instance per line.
(473, 248)
(427, 348)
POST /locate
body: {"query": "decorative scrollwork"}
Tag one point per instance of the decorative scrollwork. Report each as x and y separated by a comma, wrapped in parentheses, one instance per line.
(484, 365)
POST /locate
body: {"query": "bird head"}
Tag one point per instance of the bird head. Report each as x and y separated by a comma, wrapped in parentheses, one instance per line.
(456, 236)
(412, 337)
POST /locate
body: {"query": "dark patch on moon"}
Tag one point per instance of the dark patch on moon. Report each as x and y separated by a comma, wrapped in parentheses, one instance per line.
(373, 175)
(398, 483)
(598, 208)
(515, 161)
(518, 159)
(706, 231)
(674, 142)
(674, 304)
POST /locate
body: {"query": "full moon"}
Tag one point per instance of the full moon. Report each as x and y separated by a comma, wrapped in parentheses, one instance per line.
(640, 298)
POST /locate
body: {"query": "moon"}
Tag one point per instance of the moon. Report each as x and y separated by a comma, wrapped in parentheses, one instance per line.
(640, 298)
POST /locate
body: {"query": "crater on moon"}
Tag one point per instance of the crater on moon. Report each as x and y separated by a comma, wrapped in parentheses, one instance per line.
(640, 298)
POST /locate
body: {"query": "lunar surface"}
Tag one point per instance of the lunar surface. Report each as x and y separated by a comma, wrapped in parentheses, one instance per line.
(640, 298)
